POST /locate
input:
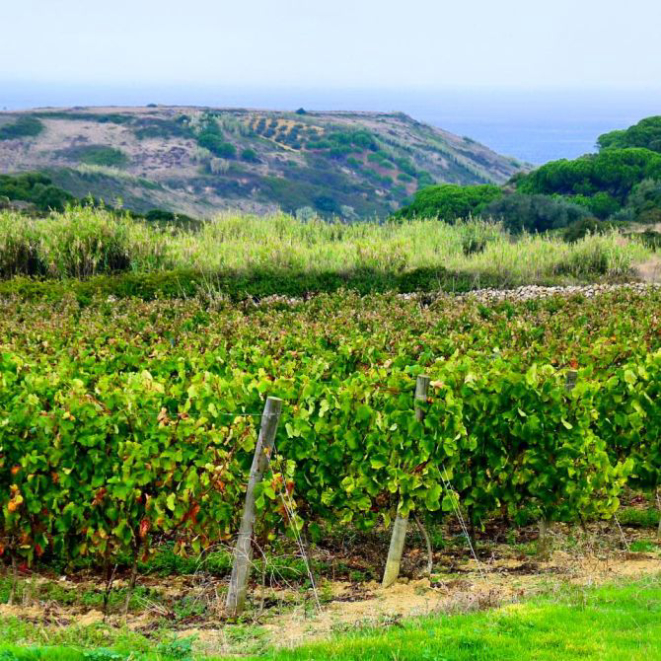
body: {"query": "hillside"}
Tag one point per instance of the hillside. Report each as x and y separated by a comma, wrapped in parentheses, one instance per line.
(199, 160)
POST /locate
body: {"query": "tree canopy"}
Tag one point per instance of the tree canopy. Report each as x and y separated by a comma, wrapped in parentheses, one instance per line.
(535, 213)
(450, 202)
(601, 182)
(622, 182)
(35, 188)
(646, 134)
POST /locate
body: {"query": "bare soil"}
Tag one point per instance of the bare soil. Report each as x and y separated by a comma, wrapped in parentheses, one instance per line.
(287, 615)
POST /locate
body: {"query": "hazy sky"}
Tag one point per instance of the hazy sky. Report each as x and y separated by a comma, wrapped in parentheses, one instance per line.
(337, 43)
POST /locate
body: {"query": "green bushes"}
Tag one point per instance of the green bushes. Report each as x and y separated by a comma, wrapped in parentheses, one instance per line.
(620, 183)
(601, 181)
(163, 128)
(217, 145)
(249, 155)
(647, 134)
(357, 139)
(211, 137)
(450, 202)
(586, 227)
(644, 203)
(343, 143)
(35, 188)
(100, 117)
(23, 127)
(101, 155)
(534, 213)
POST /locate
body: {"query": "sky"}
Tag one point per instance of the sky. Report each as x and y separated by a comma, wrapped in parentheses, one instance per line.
(362, 44)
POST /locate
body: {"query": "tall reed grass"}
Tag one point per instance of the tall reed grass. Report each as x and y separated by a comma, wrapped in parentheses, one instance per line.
(77, 243)
(82, 242)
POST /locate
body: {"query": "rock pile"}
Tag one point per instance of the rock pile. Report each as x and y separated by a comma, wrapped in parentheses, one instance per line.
(529, 292)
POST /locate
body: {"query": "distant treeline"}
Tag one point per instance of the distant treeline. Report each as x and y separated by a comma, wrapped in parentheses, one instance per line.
(619, 184)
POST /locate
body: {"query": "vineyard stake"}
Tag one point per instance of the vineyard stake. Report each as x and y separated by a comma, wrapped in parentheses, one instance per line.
(570, 380)
(398, 538)
(236, 594)
(544, 546)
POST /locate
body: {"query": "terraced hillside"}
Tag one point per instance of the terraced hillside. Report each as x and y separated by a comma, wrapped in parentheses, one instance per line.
(199, 160)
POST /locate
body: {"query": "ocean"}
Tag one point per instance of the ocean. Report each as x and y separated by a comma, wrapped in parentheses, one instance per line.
(534, 126)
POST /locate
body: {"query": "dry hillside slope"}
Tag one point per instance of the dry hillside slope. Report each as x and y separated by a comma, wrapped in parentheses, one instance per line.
(201, 160)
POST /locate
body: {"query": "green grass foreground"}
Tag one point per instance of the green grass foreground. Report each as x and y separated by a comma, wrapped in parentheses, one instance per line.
(608, 624)
(613, 623)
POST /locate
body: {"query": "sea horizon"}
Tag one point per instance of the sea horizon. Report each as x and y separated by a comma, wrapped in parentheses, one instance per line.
(534, 126)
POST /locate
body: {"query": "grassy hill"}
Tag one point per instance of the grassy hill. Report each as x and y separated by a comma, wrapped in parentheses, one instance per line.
(199, 160)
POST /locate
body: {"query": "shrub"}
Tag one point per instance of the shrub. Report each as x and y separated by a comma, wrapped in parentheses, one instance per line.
(644, 203)
(217, 145)
(582, 228)
(23, 127)
(249, 155)
(424, 179)
(406, 166)
(343, 143)
(101, 155)
(306, 214)
(601, 204)
(326, 204)
(534, 213)
(99, 117)
(450, 202)
(163, 128)
(161, 216)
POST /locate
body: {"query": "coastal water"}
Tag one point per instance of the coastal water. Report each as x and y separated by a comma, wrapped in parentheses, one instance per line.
(533, 125)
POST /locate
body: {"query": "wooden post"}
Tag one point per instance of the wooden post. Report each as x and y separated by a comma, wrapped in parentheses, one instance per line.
(544, 544)
(236, 595)
(570, 380)
(421, 394)
(398, 537)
